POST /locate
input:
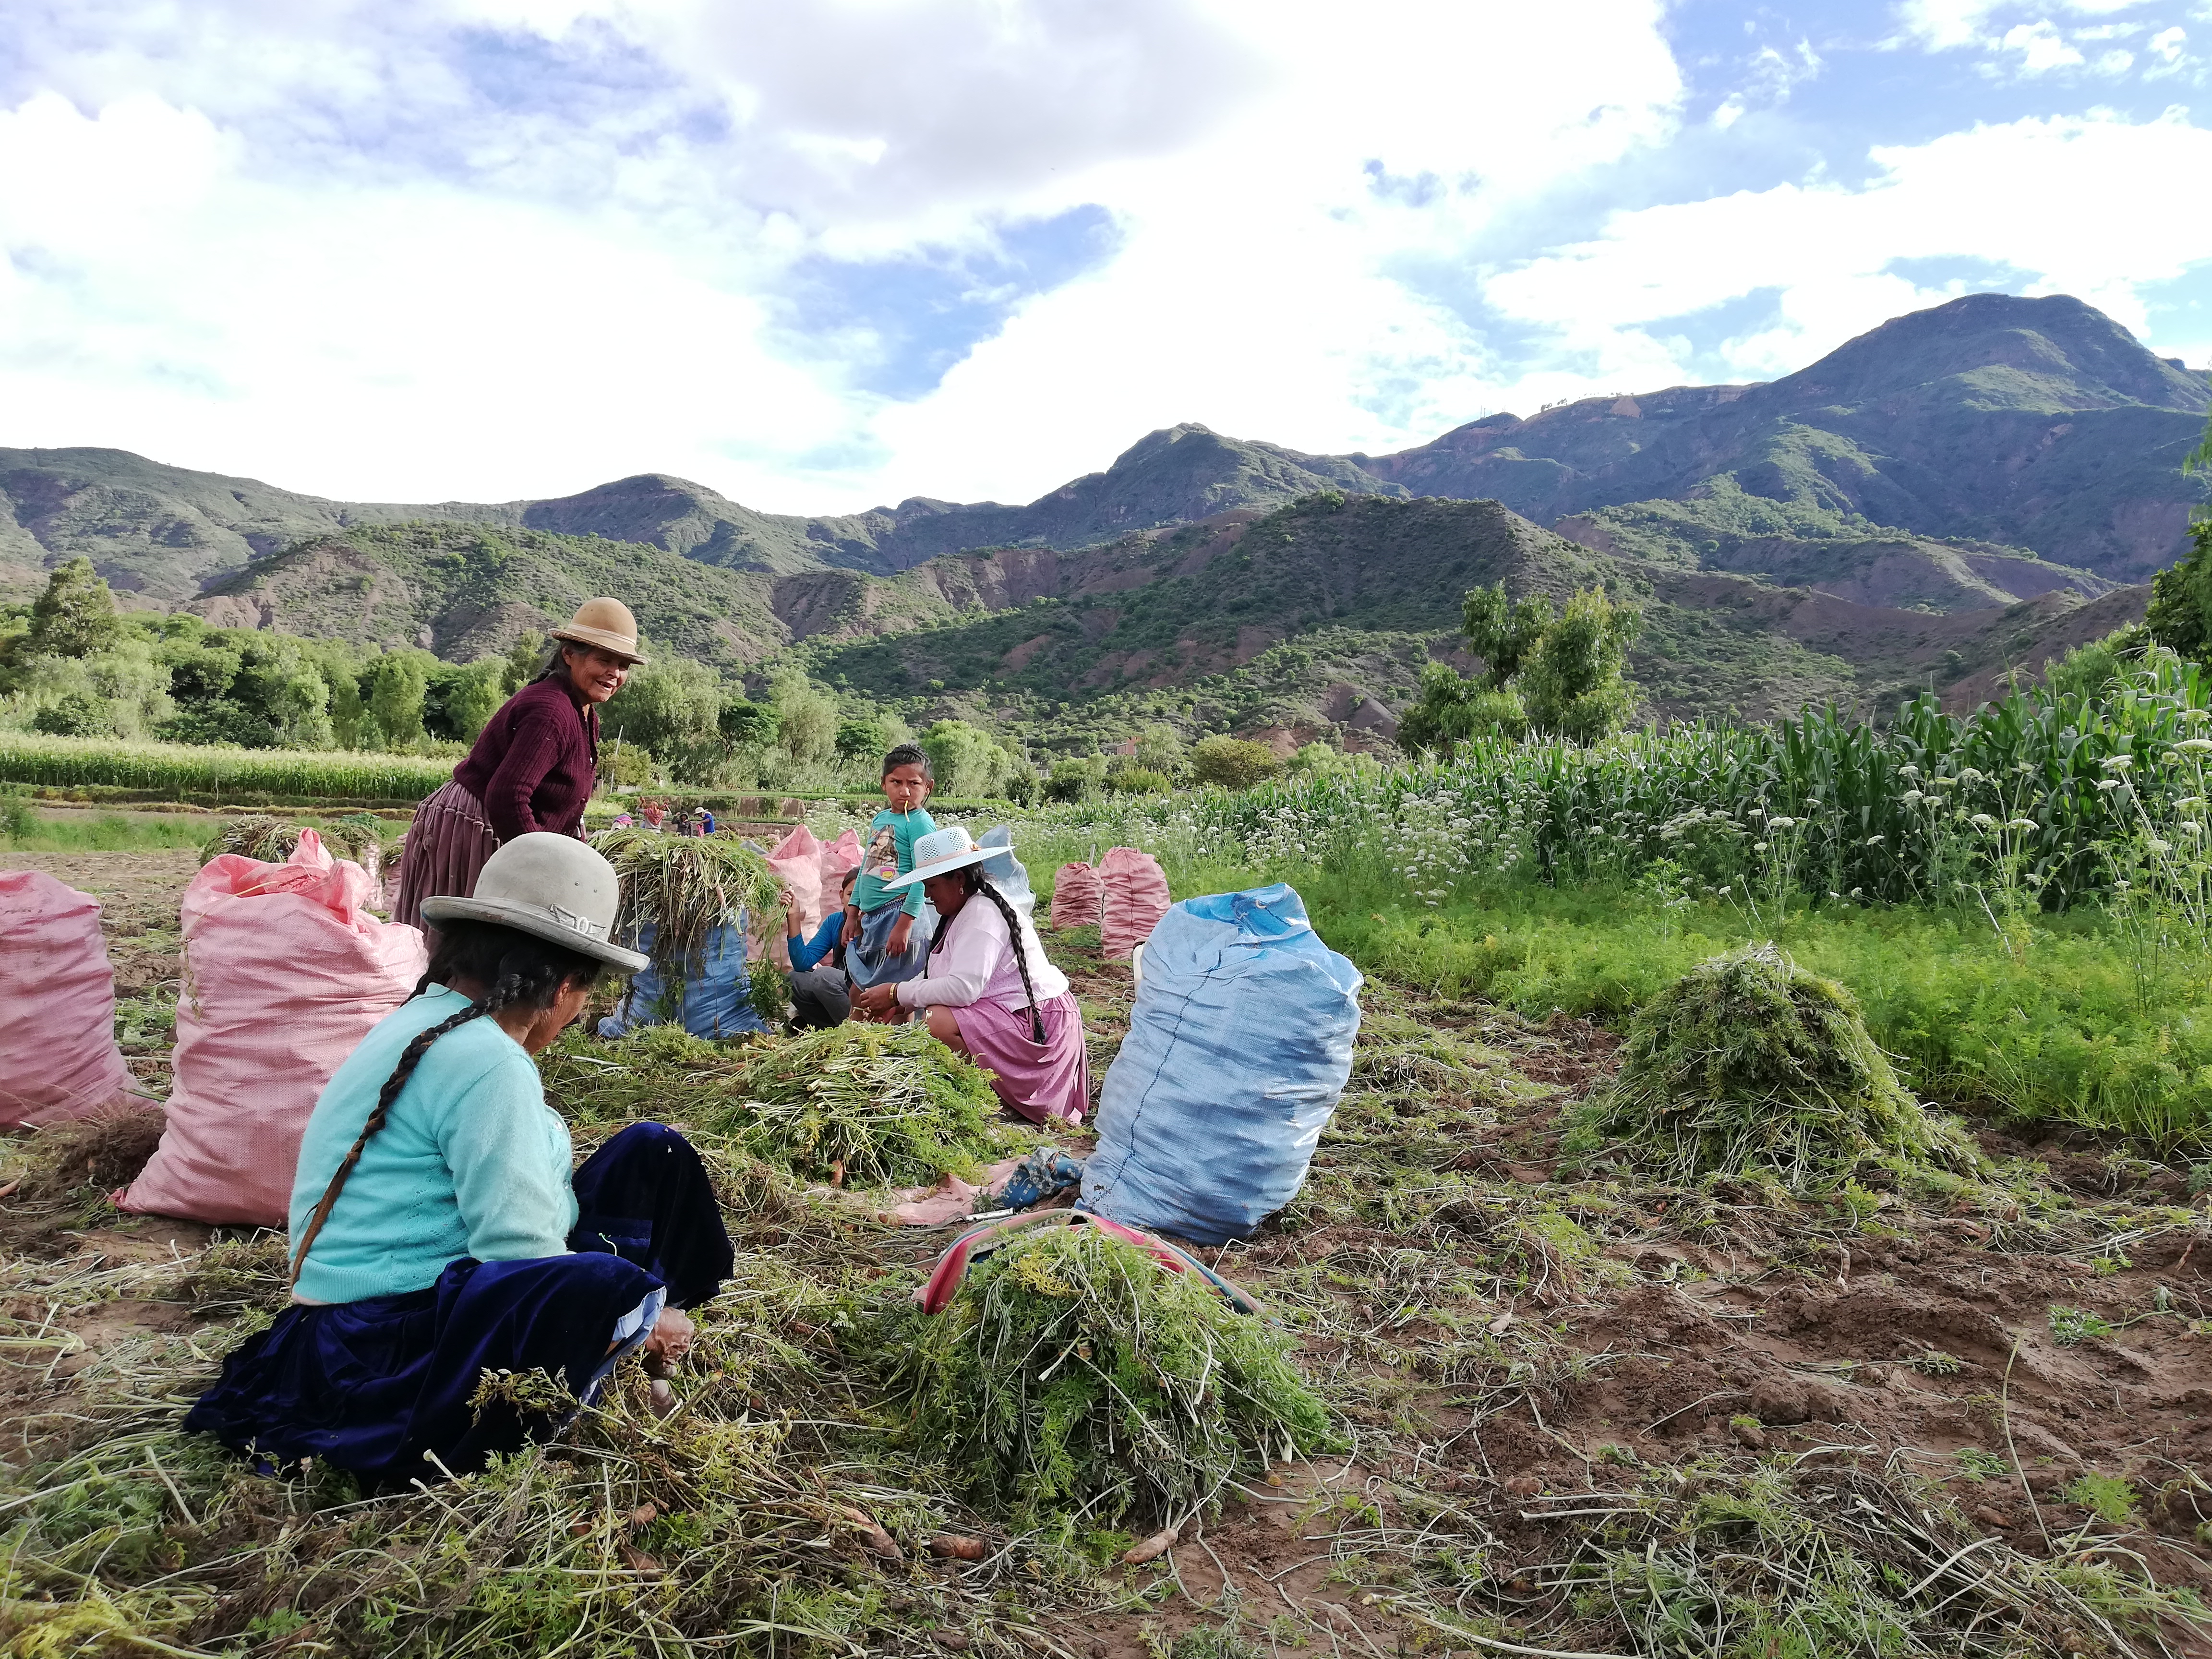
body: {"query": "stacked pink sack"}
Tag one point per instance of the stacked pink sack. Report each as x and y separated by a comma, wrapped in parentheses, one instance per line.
(57, 1055)
(1076, 897)
(1136, 896)
(285, 972)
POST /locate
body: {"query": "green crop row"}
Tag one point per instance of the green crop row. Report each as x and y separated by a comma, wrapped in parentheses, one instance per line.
(182, 771)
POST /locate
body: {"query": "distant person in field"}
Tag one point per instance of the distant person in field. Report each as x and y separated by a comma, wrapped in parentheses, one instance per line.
(821, 996)
(985, 988)
(438, 1234)
(533, 767)
(886, 931)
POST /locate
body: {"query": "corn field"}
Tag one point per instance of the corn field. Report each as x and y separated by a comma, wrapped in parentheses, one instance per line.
(175, 770)
(2040, 802)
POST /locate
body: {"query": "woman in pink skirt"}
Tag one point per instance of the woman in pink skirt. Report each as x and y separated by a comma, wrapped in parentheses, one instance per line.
(988, 988)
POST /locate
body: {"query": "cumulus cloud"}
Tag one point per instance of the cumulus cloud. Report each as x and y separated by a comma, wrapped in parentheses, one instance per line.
(426, 249)
(2073, 204)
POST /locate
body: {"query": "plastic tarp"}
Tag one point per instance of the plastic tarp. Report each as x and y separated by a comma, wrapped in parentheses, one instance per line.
(1008, 872)
(1076, 896)
(715, 997)
(1239, 1045)
(58, 1054)
(285, 972)
(1136, 896)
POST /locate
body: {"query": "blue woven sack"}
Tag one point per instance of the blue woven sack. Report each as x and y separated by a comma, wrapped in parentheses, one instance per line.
(1238, 1049)
(717, 992)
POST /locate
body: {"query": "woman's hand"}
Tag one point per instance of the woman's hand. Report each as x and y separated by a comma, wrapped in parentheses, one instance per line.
(671, 1337)
(877, 1002)
(901, 932)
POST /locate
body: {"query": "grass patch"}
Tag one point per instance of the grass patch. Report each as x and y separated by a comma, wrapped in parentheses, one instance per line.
(1749, 1064)
(1075, 1380)
(23, 828)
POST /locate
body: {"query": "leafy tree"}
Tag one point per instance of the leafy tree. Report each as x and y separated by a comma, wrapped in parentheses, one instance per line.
(524, 659)
(464, 699)
(805, 719)
(77, 715)
(1075, 777)
(861, 740)
(1575, 681)
(76, 616)
(742, 722)
(1452, 709)
(1502, 630)
(1160, 748)
(672, 707)
(1232, 763)
(965, 760)
(397, 683)
(2181, 613)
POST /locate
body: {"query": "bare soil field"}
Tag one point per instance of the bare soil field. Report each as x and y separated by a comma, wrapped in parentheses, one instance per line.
(1574, 1401)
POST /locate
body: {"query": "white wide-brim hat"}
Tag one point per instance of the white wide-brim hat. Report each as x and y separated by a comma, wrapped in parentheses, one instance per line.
(551, 887)
(939, 853)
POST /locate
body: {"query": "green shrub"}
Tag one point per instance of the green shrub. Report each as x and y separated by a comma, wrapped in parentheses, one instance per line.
(1233, 762)
(1140, 780)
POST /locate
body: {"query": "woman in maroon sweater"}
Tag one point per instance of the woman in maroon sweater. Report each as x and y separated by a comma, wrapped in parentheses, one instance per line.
(533, 766)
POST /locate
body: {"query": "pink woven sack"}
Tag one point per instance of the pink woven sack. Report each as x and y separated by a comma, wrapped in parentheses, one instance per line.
(1075, 897)
(285, 972)
(57, 1055)
(1136, 897)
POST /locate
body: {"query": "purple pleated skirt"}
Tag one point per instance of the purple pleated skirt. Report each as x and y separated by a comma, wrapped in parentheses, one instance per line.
(1047, 1084)
(446, 846)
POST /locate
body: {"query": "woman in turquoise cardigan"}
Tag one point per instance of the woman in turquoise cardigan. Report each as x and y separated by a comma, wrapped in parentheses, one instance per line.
(436, 1229)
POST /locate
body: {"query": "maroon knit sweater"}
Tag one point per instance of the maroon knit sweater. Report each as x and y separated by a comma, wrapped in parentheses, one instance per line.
(535, 762)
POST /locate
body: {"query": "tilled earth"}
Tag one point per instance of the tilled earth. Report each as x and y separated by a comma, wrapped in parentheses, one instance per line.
(1578, 1405)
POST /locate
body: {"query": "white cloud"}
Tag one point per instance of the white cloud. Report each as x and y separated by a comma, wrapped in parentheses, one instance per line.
(475, 301)
(2077, 203)
(2169, 43)
(2041, 47)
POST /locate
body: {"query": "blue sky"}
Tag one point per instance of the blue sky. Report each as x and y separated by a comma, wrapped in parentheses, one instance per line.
(822, 254)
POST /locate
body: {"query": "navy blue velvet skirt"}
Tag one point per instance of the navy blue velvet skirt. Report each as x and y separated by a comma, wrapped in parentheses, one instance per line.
(382, 1386)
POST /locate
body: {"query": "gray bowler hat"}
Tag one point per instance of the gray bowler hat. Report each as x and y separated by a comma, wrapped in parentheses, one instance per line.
(551, 887)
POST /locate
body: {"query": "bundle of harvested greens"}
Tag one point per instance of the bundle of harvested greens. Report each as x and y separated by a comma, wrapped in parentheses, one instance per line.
(1074, 1380)
(862, 1105)
(1749, 1064)
(358, 836)
(684, 887)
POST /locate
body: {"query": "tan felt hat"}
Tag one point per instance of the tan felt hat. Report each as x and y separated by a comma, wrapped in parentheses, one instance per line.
(605, 623)
(552, 887)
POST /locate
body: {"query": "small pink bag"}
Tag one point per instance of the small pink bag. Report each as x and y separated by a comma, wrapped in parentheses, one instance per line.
(285, 972)
(1136, 897)
(57, 1055)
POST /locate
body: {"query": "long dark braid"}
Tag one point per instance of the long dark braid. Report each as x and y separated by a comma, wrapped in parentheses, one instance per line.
(976, 882)
(520, 969)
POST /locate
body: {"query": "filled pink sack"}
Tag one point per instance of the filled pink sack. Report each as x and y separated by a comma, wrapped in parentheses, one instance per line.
(58, 1054)
(1136, 897)
(285, 972)
(1075, 897)
(811, 868)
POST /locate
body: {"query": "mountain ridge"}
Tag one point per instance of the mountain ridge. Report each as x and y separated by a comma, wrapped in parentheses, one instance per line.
(2025, 423)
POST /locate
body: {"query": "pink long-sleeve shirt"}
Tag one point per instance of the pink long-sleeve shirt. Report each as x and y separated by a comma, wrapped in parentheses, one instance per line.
(977, 963)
